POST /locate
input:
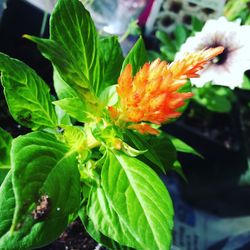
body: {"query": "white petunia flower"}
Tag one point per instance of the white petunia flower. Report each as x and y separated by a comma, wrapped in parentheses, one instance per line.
(229, 67)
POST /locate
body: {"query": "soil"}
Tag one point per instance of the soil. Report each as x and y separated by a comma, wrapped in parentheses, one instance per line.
(74, 238)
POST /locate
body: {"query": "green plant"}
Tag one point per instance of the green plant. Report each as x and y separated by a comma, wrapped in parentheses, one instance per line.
(94, 152)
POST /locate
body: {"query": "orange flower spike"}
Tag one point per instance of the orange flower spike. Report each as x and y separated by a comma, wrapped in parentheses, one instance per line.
(152, 94)
(125, 82)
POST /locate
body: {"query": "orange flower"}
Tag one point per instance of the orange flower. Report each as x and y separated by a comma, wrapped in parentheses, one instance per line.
(152, 94)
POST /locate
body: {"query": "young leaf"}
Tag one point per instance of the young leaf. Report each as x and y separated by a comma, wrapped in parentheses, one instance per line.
(5, 145)
(181, 146)
(27, 95)
(178, 169)
(136, 57)
(62, 117)
(112, 59)
(73, 29)
(109, 96)
(76, 108)
(40, 162)
(135, 191)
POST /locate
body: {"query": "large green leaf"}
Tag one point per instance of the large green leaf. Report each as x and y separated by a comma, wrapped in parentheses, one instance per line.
(137, 56)
(43, 171)
(72, 27)
(137, 202)
(27, 94)
(112, 59)
(5, 145)
(94, 207)
(7, 205)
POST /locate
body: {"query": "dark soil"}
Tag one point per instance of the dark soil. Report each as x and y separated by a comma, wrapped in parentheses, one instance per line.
(74, 238)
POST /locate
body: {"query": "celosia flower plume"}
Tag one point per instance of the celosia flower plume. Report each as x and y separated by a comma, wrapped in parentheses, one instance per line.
(152, 95)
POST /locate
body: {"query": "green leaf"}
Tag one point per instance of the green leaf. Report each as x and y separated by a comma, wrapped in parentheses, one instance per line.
(63, 90)
(5, 145)
(137, 56)
(180, 35)
(152, 55)
(7, 205)
(166, 41)
(90, 228)
(181, 146)
(62, 117)
(73, 29)
(178, 169)
(141, 144)
(43, 173)
(246, 82)
(65, 67)
(3, 173)
(214, 98)
(83, 112)
(112, 59)
(109, 96)
(164, 149)
(135, 191)
(197, 24)
(26, 94)
(169, 55)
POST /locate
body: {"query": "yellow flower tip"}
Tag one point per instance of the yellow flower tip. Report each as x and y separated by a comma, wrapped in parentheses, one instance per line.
(144, 128)
(192, 63)
(213, 52)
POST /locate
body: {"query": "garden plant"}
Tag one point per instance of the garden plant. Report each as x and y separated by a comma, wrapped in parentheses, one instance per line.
(96, 149)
